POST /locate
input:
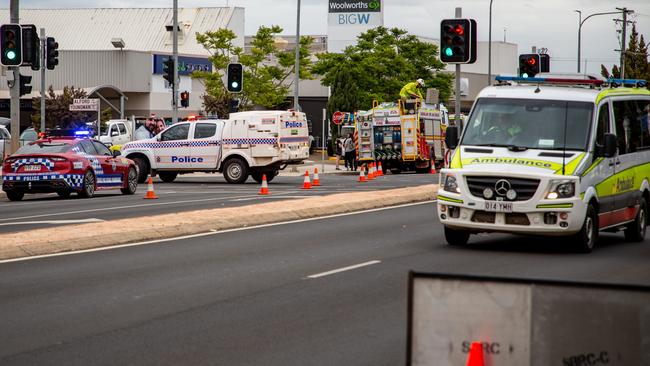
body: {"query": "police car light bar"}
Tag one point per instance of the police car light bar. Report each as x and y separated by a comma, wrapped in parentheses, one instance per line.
(62, 132)
(639, 83)
(550, 80)
(82, 133)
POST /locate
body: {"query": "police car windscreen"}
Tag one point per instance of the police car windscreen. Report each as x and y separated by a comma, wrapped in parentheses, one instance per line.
(526, 123)
(44, 148)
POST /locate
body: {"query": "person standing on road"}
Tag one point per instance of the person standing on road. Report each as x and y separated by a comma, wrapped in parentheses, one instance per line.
(339, 153)
(350, 153)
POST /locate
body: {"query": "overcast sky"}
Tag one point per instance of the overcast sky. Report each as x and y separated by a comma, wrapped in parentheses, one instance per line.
(543, 23)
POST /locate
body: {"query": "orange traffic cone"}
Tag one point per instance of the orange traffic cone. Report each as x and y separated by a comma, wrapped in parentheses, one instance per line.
(371, 171)
(475, 357)
(306, 183)
(433, 167)
(380, 170)
(151, 195)
(316, 178)
(264, 190)
(362, 176)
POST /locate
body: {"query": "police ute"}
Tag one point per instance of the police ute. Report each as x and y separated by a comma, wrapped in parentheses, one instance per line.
(551, 155)
(248, 143)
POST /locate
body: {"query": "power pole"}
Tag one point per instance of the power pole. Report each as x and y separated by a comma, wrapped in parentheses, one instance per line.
(175, 51)
(296, 92)
(459, 14)
(623, 38)
(14, 89)
(43, 58)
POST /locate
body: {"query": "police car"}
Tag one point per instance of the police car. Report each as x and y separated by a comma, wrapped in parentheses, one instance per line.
(248, 144)
(559, 156)
(65, 162)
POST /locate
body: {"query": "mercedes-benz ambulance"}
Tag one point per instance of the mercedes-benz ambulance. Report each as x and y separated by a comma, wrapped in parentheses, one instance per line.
(248, 144)
(550, 156)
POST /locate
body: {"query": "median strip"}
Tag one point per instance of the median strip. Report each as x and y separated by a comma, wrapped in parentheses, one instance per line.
(124, 231)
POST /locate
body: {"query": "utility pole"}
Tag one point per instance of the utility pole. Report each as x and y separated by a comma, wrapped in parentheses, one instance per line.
(14, 89)
(624, 38)
(296, 88)
(175, 51)
(43, 58)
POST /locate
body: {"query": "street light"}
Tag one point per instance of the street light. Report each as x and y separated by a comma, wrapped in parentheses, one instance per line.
(490, 48)
(581, 22)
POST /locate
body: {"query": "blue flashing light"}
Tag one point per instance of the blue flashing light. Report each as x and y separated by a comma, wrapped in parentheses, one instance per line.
(82, 133)
(636, 82)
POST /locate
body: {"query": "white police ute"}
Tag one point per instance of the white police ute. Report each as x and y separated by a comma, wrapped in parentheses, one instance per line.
(248, 144)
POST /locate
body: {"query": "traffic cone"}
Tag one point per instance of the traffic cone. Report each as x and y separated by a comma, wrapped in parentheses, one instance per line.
(306, 183)
(380, 170)
(151, 195)
(433, 167)
(371, 172)
(362, 176)
(316, 178)
(264, 190)
(475, 357)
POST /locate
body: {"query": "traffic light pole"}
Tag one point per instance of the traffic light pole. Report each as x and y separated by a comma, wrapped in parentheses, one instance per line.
(14, 89)
(43, 58)
(459, 14)
(175, 51)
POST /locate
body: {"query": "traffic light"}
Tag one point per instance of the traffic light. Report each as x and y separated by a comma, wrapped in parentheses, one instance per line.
(544, 63)
(168, 71)
(11, 44)
(51, 53)
(31, 47)
(529, 65)
(235, 78)
(233, 106)
(185, 99)
(458, 41)
(25, 88)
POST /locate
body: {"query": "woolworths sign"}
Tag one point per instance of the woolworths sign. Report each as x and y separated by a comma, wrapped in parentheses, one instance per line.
(355, 6)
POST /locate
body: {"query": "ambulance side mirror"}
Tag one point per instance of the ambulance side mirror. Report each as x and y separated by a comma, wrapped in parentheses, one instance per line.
(609, 149)
(451, 137)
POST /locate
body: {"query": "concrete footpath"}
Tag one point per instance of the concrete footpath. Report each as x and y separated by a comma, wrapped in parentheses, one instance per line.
(124, 231)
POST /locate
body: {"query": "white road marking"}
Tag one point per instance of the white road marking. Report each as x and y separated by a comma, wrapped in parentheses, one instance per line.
(213, 232)
(349, 268)
(52, 222)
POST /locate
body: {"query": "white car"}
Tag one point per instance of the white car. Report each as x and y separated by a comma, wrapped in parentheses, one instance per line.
(5, 142)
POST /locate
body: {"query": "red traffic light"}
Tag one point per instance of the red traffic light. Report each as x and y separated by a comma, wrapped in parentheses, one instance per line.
(459, 30)
(531, 61)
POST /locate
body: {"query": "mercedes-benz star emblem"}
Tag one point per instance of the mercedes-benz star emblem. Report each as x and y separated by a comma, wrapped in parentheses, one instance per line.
(502, 187)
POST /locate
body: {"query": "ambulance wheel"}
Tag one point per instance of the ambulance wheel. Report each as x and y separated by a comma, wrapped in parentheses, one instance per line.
(167, 177)
(88, 189)
(586, 238)
(132, 182)
(635, 231)
(63, 194)
(456, 237)
(15, 195)
(143, 167)
(236, 171)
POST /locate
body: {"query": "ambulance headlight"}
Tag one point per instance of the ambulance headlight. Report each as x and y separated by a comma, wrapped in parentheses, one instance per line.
(561, 189)
(451, 184)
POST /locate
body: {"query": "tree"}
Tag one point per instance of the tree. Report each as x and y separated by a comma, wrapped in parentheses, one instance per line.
(344, 96)
(636, 59)
(57, 107)
(267, 69)
(382, 62)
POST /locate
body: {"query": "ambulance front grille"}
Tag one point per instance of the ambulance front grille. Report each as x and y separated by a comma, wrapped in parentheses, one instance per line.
(525, 188)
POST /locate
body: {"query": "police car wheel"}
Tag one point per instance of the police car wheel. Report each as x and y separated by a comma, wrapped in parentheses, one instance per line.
(586, 238)
(143, 167)
(167, 177)
(88, 189)
(15, 196)
(236, 171)
(635, 230)
(456, 237)
(132, 182)
(63, 194)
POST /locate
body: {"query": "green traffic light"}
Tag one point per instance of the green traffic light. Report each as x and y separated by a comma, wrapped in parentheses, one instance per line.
(449, 52)
(11, 55)
(524, 75)
(234, 85)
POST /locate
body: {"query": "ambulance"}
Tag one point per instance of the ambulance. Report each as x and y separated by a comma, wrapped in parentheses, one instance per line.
(552, 155)
(248, 144)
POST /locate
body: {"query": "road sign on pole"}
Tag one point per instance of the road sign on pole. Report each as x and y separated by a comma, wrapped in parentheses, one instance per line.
(337, 117)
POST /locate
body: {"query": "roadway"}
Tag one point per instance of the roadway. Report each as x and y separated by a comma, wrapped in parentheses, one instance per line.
(267, 296)
(187, 193)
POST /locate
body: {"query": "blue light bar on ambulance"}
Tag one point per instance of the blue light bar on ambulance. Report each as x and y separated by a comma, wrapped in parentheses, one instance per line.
(639, 83)
(550, 80)
(82, 133)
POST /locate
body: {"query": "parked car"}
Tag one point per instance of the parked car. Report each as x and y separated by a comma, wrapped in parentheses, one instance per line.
(28, 136)
(5, 142)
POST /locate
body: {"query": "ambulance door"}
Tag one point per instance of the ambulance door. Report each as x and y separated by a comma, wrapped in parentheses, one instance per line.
(205, 145)
(174, 151)
(263, 133)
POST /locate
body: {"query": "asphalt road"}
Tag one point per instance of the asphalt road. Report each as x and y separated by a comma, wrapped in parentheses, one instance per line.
(185, 194)
(266, 296)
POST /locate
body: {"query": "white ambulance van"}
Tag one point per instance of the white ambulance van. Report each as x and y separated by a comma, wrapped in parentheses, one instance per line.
(249, 143)
(550, 156)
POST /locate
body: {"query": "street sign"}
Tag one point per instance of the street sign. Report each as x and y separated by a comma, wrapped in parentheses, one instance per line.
(84, 101)
(337, 117)
(83, 107)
